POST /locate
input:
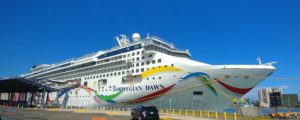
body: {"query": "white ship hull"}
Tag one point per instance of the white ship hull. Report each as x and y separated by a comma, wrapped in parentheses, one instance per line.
(149, 72)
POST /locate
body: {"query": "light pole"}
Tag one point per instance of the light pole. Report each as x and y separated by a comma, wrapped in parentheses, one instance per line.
(170, 104)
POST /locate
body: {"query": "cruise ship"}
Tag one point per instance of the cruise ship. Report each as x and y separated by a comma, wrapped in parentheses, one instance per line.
(148, 71)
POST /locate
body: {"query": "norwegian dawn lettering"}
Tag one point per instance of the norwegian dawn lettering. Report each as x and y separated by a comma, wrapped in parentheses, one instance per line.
(139, 88)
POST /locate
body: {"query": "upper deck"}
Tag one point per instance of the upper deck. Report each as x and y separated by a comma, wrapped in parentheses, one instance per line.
(150, 43)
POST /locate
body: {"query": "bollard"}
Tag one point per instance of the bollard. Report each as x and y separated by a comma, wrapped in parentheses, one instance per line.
(173, 111)
(234, 116)
(208, 116)
(216, 115)
(160, 111)
(193, 113)
(167, 111)
(225, 117)
(200, 114)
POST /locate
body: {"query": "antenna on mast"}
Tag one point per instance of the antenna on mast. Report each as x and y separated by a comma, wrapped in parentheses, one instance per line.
(259, 60)
(119, 42)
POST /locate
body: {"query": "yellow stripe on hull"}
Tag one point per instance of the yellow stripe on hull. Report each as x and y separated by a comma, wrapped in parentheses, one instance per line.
(160, 69)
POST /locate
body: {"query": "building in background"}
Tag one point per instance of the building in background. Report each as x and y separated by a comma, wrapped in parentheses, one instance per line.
(289, 100)
(264, 96)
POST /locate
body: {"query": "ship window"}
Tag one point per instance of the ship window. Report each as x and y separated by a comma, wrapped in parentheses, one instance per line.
(142, 64)
(197, 93)
(137, 64)
(149, 56)
(153, 61)
(131, 79)
(124, 56)
(102, 82)
(133, 59)
(142, 51)
(172, 65)
(123, 72)
(137, 59)
(111, 74)
(115, 74)
(226, 76)
(142, 70)
(138, 52)
(153, 78)
(166, 66)
(148, 62)
(119, 73)
(85, 83)
(137, 70)
(143, 57)
(107, 75)
(159, 60)
(128, 55)
(159, 77)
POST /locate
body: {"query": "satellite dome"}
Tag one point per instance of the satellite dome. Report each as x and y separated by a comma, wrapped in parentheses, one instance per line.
(136, 37)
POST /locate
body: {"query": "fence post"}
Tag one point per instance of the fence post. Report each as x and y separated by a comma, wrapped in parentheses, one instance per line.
(216, 115)
(173, 111)
(179, 111)
(234, 116)
(200, 114)
(208, 116)
(225, 117)
(185, 112)
(193, 113)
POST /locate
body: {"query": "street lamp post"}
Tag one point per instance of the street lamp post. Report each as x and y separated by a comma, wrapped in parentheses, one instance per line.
(170, 104)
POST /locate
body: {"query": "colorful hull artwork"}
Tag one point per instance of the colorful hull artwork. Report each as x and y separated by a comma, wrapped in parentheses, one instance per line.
(201, 77)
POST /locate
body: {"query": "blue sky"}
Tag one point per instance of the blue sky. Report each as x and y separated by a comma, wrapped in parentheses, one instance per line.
(217, 32)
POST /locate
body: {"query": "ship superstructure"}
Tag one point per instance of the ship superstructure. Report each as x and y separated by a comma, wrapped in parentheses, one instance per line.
(149, 71)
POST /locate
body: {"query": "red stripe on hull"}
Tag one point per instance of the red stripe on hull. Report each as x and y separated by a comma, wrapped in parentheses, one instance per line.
(152, 95)
(234, 89)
